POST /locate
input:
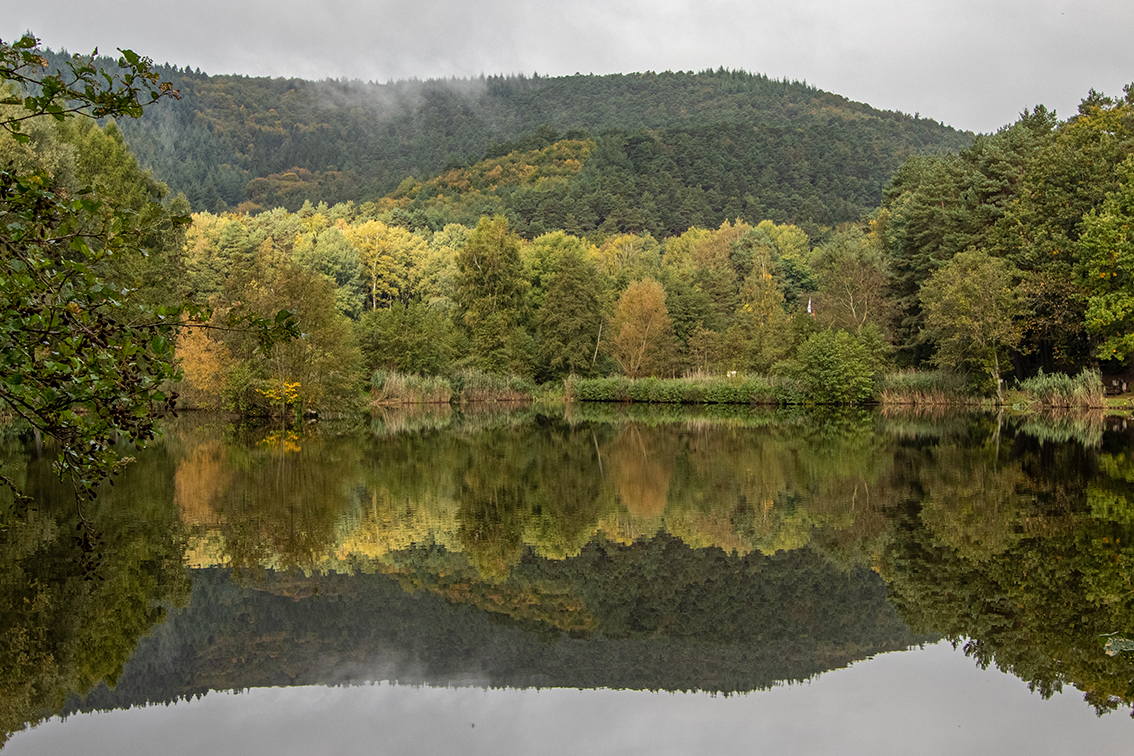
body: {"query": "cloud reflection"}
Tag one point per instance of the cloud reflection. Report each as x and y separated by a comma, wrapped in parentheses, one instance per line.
(929, 701)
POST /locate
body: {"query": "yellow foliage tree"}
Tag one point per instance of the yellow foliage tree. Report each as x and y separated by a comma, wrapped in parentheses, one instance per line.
(643, 342)
(713, 251)
(679, 251)
(387, 254)
(204, 362)
(627, 256)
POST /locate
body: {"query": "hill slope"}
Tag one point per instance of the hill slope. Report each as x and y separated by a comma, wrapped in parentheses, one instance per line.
(754, 141)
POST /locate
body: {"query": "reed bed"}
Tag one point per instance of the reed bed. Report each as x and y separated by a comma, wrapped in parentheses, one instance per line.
(926, 388)
(473, 386)
(388, 387)
(1060, 391)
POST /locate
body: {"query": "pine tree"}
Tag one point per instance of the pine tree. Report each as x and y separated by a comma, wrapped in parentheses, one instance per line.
(570, 321)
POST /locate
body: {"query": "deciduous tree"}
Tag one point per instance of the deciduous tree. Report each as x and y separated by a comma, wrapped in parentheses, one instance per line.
(570, 321)
(852, 281)
(1107, 269)
(642, 340)
(972, 313)
(78, 362)
(762, 318)
(72, 363)
(386, 254)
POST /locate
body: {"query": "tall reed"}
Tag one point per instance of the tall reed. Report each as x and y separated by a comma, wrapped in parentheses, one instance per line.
(391, 387)
(1058, 390)
(475, 386)
(925, 388)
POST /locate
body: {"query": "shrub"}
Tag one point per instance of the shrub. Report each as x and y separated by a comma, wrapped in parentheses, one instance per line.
(240, 394)
(835, 368)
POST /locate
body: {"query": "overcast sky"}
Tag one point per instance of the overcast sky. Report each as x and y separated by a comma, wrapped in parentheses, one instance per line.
(974, 64)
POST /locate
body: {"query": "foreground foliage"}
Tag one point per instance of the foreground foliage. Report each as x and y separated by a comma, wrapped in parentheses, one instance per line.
(86, 341)
(80, 363)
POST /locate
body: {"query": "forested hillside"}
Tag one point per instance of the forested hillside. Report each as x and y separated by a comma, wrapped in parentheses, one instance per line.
(1009, 257)
(678, 149)
(719, 224)
(660, 182)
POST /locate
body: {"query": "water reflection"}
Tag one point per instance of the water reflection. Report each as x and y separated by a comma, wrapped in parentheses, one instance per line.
(931, 702)
(598, 547)
(79, 587)
(491, 486)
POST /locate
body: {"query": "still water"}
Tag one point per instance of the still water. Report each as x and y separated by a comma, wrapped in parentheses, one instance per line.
(600, 580)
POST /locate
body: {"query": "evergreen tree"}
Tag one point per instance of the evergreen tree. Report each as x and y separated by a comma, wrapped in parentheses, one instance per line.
(491, 294)
(570, 321)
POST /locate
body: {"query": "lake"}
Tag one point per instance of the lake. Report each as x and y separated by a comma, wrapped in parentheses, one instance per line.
(599, 579)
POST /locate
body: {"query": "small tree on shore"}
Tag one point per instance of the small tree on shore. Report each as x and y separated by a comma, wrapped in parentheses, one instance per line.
(973, 312)
(642, 341)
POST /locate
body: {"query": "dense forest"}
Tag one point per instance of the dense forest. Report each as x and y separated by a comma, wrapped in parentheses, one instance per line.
(743, 201)
(709, 146)
(1006, 259)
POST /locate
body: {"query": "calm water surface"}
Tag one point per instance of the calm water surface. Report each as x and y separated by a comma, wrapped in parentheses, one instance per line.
(600, 580)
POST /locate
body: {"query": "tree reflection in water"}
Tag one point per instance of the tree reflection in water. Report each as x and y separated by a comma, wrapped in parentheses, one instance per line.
(716, 550)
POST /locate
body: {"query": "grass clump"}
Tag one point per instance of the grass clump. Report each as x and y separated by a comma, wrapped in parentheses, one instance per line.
(475, 386)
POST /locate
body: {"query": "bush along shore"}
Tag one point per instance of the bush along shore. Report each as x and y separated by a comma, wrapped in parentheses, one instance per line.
(906, 388)
(692, 390)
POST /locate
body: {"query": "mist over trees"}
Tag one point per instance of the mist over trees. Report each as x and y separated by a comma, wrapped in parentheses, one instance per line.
(707, 147)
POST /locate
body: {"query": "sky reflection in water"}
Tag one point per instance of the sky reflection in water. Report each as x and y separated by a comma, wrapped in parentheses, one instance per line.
(929, 701)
